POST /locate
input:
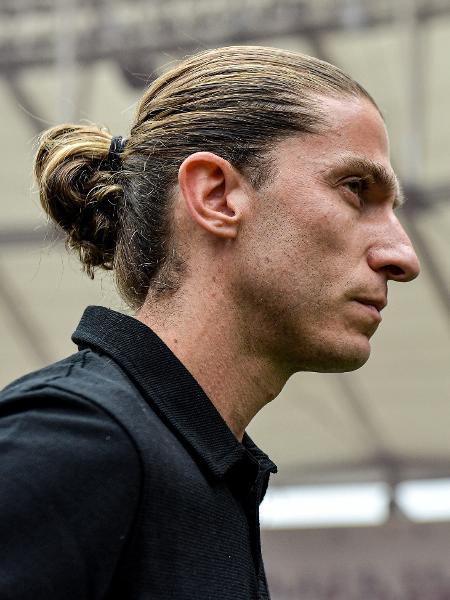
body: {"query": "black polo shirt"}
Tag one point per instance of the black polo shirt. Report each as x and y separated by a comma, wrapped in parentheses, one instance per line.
(120, 480)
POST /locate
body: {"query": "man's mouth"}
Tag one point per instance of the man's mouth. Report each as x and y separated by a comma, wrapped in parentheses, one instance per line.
(373, 306)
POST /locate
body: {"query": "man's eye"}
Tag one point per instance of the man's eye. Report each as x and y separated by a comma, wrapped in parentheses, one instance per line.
(356, 186)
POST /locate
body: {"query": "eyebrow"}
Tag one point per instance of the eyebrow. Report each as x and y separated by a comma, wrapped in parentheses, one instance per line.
(377, 173)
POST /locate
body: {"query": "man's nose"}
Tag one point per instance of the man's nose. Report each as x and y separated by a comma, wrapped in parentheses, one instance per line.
(394, 255)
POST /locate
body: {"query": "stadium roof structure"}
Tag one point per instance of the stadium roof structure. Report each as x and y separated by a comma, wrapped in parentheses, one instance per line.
(72, 60)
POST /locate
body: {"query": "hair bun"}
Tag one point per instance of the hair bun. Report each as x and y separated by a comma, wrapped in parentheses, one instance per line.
(78, 191)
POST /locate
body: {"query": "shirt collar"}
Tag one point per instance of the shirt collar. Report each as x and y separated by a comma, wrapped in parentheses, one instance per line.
(166, 384)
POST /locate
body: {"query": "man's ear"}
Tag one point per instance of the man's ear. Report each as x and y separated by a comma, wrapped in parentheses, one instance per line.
(212, 191)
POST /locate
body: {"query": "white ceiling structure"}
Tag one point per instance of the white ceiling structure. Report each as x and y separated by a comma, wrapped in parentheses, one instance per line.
(390, 420)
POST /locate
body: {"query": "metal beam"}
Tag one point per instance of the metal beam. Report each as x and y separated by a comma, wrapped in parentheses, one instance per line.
(366, 470)
(25, 104)
(191, 25)
(427, 259)
(34, 338)
(27, 236)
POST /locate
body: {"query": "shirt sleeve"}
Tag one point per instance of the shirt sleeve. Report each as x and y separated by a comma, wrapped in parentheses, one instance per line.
(69, 488)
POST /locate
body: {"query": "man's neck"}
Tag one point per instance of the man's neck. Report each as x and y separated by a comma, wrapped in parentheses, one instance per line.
(207, 341)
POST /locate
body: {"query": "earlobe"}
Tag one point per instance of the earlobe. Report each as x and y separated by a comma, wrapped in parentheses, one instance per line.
(210, 188)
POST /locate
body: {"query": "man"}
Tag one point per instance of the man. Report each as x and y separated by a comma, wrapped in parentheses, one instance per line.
(250, 220)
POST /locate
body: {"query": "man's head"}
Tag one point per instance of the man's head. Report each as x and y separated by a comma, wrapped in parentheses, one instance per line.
(312, 250)
(241, 169)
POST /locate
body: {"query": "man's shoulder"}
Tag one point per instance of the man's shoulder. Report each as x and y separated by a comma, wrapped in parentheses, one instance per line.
(84, 374)
(42, 376)
(74, 485)
(88, 378)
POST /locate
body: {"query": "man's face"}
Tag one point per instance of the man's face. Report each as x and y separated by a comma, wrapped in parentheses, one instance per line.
(320, 244)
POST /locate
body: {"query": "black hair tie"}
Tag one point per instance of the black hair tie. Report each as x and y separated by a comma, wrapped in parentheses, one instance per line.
(114, 160)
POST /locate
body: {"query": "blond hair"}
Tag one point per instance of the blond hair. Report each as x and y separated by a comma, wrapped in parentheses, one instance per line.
(235, 101)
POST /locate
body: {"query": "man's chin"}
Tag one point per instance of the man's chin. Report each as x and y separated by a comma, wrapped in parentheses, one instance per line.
(345, 365)
(342, 359)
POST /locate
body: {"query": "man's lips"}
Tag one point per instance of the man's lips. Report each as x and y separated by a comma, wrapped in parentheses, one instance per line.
(373, 306)
(378, 303)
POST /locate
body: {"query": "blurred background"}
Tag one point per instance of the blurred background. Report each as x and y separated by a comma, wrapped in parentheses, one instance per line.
(360, 509)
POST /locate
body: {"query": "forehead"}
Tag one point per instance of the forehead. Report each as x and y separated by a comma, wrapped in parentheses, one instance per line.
(353, 126)
(354, 122)
(354, 136)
